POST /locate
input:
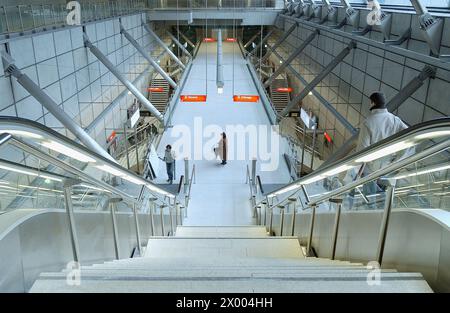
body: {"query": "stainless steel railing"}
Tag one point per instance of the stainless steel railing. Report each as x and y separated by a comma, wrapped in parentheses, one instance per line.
(423, 133)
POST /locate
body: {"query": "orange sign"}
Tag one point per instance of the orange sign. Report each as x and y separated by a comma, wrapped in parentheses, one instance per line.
(327, 137)
(284, 89)
(193, 98)
(231, 39)
(111, 137)
(245, 98)
(208, 39)
(156, 89)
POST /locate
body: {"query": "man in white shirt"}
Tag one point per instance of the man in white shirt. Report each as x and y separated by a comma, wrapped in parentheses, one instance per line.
(380, 124)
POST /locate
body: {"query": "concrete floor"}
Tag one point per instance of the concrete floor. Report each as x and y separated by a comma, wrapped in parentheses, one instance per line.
(220, 195)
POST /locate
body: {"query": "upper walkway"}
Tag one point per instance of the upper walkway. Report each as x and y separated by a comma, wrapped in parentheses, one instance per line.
(220, 195)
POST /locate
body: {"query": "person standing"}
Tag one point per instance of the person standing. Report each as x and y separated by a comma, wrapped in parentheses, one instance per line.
(223, 148)
(169, 158)
(379, 125)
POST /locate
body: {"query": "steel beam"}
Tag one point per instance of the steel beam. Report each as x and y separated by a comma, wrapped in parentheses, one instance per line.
(172, 55)
(330, 108)
(186, 39)
(102, 58)
(175, 40)
(147, 57)
(410, 88)
(291, 57)
(279, 41)
(251, 39)
(327, 70)
(33, 89)
(262, 41)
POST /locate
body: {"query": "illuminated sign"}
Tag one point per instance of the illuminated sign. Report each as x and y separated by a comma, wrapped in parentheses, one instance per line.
(156, 89)
(327, 137)
(284, 89)
(230, 39)
(245, 98)
(193, 98)
(207, 39)
(111, 137)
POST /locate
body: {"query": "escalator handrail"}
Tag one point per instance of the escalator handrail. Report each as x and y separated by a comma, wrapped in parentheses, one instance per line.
(400, 136)
(49, 134)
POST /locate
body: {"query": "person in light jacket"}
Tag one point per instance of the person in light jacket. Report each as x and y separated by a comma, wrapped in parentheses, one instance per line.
(169, 158)
(379, 125)
(222, 149)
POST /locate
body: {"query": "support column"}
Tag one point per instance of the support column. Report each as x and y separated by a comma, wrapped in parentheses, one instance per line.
(48, 103)
(279, 41)
(219, 72)
(172, 55)
(102, 58)
(147, 57)
(175, 40)
(327, 70)
(291, 58)
(410, 88)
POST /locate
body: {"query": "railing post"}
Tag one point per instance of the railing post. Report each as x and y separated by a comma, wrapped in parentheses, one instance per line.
(161, 213)
(271, 220)
(113, 206)
(138, 235)
(126, 144)
(71, 218)
(264, 204)
(313, 145)
(254, 171)
(303, 149)
(292, 202)
(390, 192)
(258, 215)
(186, 175)
(311, 230)
(337, 218)
(136, 147)
(151, 209)
(281, 207)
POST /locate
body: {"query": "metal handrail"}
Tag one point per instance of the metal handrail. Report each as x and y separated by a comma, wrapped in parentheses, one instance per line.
(180, 184)
(399, 137)
(28, 126)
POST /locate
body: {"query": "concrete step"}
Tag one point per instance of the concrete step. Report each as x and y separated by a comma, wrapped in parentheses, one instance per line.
(402, 283)
(221, 232)
(274, 247)
(227, 262)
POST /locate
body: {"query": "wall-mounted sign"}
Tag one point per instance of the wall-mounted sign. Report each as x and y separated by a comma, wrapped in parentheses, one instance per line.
(284, 89)
(208, 39)
(327, 137)
(156, 89)
(230, 39)
(112, 136)
(135, 118)
(193, 98)
(245, 98)
(309, 121)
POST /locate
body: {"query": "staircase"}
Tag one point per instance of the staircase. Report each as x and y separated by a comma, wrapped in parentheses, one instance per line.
(228, 259)
(279, 99)
(159, 98)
